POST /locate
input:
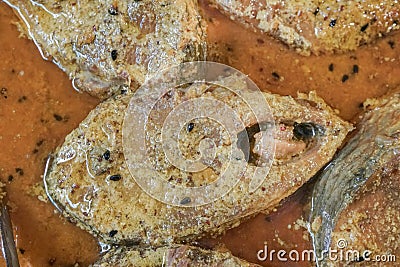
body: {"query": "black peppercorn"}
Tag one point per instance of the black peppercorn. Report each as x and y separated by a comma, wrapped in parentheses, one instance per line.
(114, 54)
(185, 201)
(355, 68)
(115, 177)
(112, 233)
(113, 10)
(364, 27)
(107, 155)
(190, 127)
(57, 117)
(20, 171)
(391, 44)
(276, 75)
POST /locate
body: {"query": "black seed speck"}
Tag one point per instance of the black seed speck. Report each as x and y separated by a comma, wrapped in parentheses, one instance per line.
(391, 43)
(10, 178)
(22, 99)
(185, 201)
(355, 68)
(331, 67)
(276, 75)
(106, 155)
(22, 251)
(39, 143)
(114, 54)
(332, 23)
(364, 27)
(3, 92)
(115, 177)
(190, 127)
(20, 171)
(35, 151)
(345, 78)
(112, 233)
(113, 10)
(57, 117)
(316, 11)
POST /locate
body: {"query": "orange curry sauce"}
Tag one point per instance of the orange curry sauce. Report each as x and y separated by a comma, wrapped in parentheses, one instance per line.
(38, 107)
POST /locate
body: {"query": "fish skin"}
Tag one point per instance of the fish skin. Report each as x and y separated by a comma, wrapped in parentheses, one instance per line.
(81, 36)
(374, 217)
(316, 26)
(175, 255)
(99, 205)
(364, 171)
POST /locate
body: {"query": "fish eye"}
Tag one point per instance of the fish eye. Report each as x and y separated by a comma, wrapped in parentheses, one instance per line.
(305, 130)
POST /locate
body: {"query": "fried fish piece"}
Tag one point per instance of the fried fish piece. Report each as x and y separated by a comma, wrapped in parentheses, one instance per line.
(317, 26)
(109, 46)
(356, 203)
(175, 255)
(89, 179)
